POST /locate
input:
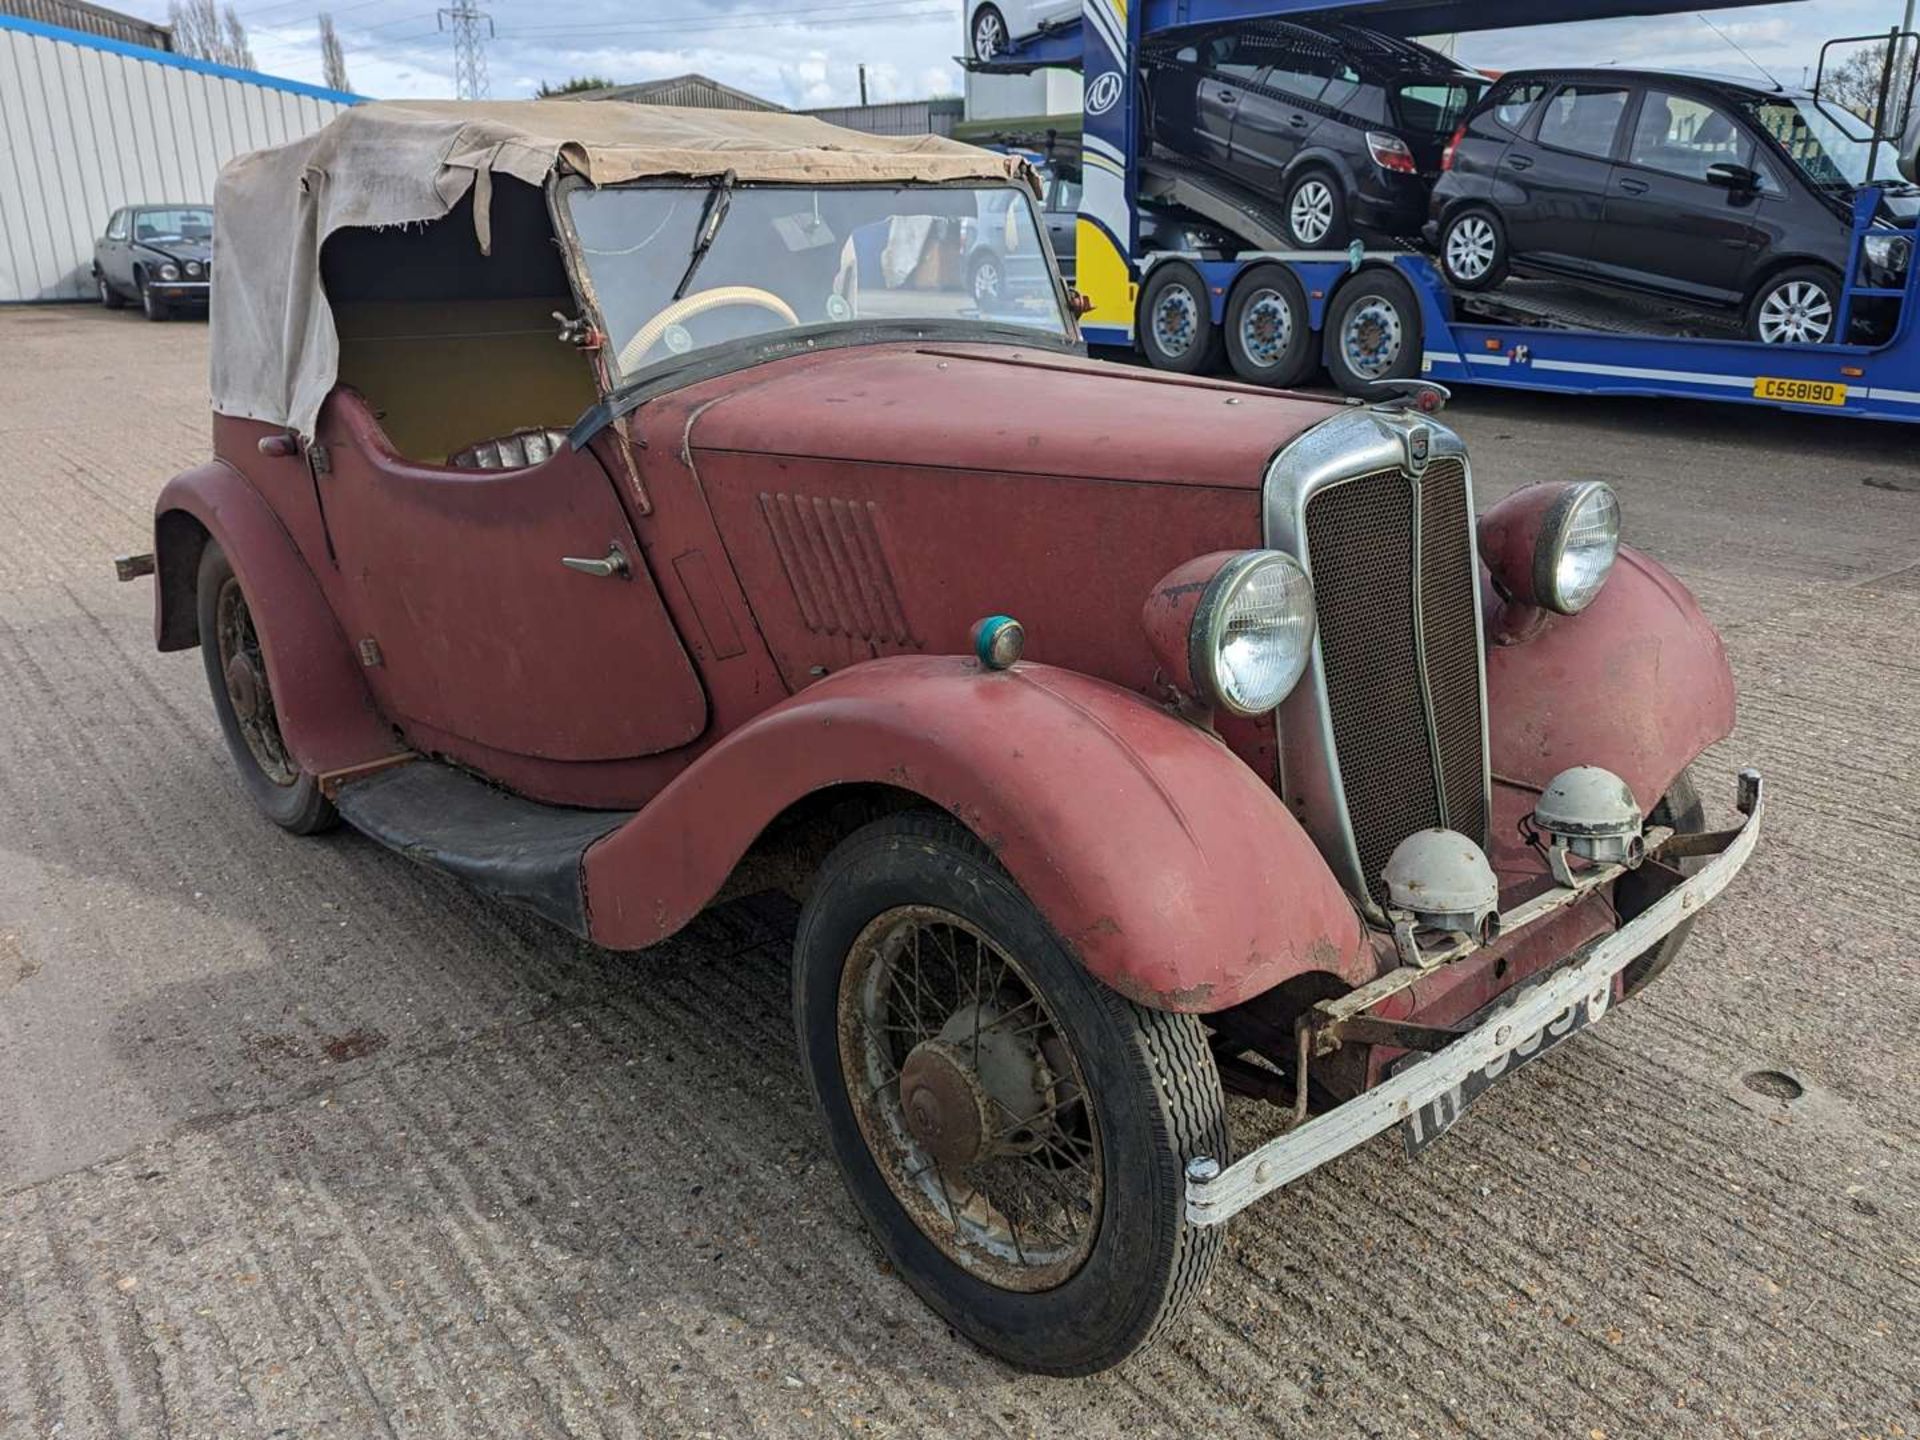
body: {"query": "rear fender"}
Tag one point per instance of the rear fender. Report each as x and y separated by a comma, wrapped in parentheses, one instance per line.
(326, 713)
(1637, 683)
(1156, 854)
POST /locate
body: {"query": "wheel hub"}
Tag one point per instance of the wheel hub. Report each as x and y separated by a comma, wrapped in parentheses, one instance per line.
(945, 1105)
(243, 688)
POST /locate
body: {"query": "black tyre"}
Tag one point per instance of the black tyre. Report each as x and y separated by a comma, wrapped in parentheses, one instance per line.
(987, 282)
(988, 33)
(109, 297)
(1175, 324)
(1473, 250)
(151, 305)
(1681, 810)
(1026, 1178)
(1373, 333)
(1800, 306)
(243, 699)
(1269, 338)
(1317, 212)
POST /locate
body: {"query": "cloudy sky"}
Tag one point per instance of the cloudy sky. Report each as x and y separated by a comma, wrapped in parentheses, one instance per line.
(806, 52)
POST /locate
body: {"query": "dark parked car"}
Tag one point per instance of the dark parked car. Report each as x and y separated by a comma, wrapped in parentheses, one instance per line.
(1715, 191)
(1342, 125)
(158, 255)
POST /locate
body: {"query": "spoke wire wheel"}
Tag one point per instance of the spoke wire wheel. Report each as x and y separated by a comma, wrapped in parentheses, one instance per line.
(989, 34)
(1311, 212)
(1471, 247)
(245, 671)
(970, 1099)
(1799, 312)
(1176, 320)
(1372, 338)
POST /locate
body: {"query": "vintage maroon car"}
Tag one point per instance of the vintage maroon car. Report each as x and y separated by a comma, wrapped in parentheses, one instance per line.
(1130, 739)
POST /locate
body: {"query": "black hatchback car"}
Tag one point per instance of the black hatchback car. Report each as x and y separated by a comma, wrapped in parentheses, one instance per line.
(1712, 191)
(1343, 126)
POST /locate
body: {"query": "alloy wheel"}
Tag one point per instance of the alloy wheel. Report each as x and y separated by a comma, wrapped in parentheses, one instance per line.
(970, 1099)
(1798, 313)
(1266, 327)
(1311, 214)
(986, 283)
(1471, 246)
(1176, 321)
(989, 35)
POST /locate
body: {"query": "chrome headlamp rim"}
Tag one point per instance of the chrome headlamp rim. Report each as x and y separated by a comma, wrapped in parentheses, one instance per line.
(169, 270)
(1550, 549)
(1206, 639)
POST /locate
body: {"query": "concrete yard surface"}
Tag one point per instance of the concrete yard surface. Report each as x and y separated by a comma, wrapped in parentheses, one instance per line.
(298, 1139)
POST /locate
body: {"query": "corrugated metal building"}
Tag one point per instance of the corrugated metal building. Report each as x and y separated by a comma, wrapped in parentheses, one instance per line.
(89, 123)
(694, 91)
(897, 117)
(91, 20)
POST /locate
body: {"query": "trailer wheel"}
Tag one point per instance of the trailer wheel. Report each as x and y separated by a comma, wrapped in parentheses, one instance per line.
(1015, 1133)
(1373, 332)
(1175, 324)
(1473, 250)
(1268, 338)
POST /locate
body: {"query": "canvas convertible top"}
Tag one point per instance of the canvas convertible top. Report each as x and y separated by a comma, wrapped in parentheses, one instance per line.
(275, 351)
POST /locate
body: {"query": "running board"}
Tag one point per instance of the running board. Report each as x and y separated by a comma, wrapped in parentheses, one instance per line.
(515, 850)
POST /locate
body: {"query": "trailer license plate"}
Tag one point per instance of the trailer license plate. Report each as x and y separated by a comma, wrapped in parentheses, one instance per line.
(1440, 1114)
(1800, 392)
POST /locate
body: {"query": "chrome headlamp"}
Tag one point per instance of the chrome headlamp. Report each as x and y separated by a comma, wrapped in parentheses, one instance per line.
(1577, 547)
(1234, 630)
(193, 269)
(169, 271)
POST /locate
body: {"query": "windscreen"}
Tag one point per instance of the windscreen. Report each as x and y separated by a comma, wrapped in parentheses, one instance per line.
(1433, 109)
(678, 269)
(1833, 147)
(185, 223)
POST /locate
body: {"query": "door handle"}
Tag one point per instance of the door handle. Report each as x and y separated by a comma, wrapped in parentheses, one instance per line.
(1634, 187)
(1226, 97)
(614, 567)
(1519, 162)
(1297, 121)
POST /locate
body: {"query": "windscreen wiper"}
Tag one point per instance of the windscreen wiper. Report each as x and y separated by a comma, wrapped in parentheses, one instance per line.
(719, 201)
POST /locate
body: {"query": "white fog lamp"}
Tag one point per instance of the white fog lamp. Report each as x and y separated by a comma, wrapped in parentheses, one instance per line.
(1444, 882)
(1591, 813)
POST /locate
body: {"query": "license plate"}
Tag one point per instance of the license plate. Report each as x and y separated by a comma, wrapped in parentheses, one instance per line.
(1800, 392)
(1440, 1114)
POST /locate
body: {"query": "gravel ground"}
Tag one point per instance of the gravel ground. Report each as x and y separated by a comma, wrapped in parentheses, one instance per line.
(299, 1140)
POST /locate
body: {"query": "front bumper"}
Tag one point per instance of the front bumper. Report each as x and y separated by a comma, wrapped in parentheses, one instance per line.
(183, 291)
(1586, 978)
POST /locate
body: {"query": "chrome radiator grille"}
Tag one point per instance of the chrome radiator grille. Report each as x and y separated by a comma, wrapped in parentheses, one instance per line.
(1394, 579)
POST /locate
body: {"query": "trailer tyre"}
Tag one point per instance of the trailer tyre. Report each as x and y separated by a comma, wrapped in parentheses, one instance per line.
(1473, 250)
(1373, 333)
(1015, 1132)
(1269, 339)
(1175, 325)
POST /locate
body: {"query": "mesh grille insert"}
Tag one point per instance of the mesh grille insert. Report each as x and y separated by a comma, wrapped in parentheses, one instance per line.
(1361, 549)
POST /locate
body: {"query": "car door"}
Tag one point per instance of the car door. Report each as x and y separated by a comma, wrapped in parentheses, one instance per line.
(1279, 113)
(1667, 224)
(1558, 176)
(1228, 69)
(112, 252)
(459, 599)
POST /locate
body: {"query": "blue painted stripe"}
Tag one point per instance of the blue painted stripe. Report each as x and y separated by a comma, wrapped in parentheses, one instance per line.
(178, 62)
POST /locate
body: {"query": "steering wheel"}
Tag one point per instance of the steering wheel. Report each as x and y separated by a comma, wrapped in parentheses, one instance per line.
(648, 335)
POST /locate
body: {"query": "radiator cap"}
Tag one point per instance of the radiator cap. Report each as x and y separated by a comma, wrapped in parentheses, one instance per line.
(1442, 879)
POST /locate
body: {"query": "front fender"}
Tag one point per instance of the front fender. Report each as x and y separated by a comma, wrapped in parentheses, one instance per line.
(1156, 854)
(325, 711)
(1637, 683)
